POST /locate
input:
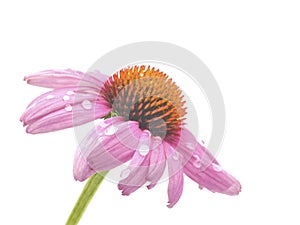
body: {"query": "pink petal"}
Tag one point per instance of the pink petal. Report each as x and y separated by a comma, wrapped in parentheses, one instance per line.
(157, 162)
(53, 101)
(138, 167)
(111, 144)
(65, 78)
(175, 186)
(211, 176)
(81, 170)
(63, 108)
(187, 144)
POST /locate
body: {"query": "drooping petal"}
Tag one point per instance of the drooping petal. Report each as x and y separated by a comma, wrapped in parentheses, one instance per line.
(138, 167)
(186, 144)
(110, 144)
(65, 78)
(49, 102)
(211, 176)
(81, 169)
(175, 186)
(157, 163)
(63, 108)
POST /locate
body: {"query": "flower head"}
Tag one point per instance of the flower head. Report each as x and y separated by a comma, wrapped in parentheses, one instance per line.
(144, 126)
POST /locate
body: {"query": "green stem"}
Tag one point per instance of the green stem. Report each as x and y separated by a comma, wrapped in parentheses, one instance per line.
(85, 197)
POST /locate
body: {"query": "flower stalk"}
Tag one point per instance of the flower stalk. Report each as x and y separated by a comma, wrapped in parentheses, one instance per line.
(85, 197)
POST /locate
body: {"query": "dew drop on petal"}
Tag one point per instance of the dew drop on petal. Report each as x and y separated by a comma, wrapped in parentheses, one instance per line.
(111, 130)
(66, 98)
(175, 155)
(125, 173)
(143, 149)
(68, 108)
(70, 93)
(196, 161)
(190, 146)
(216, 167)
(100, 139)
(101, 123)
(86, 104)
(50, 96)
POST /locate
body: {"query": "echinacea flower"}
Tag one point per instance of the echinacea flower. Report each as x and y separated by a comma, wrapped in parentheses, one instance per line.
(143, 111)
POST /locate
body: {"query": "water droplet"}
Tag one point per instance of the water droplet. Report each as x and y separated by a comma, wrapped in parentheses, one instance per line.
(66, 98)
(68, 108)
(190, 146)
(197, 161)
(86, 104)
(125, 173)
(100, 123)
(216, 167)
(50, 96)
(111, 130)
(100, 139)
(175, 155)
(70, 93)
(144, 149)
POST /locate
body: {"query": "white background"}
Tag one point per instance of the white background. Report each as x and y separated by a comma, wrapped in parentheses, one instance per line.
(253, 50)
